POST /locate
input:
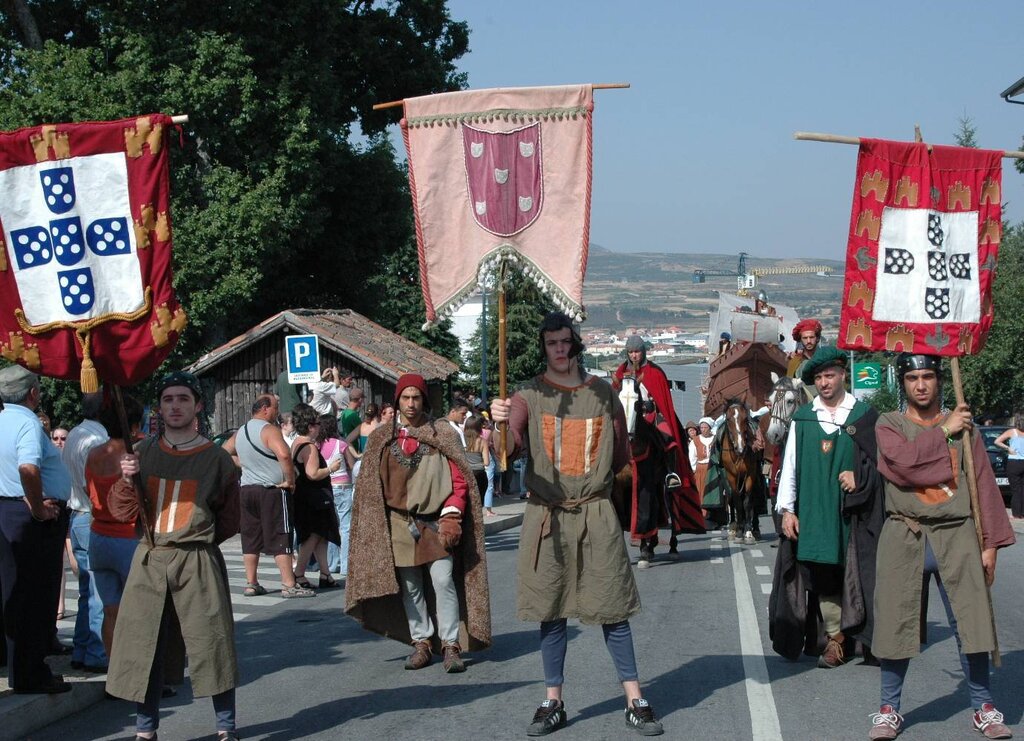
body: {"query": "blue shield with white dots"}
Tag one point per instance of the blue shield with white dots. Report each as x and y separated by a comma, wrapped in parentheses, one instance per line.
(32, 247)
(109, 237)
(77, 292)
(58, 189)
(68, 245)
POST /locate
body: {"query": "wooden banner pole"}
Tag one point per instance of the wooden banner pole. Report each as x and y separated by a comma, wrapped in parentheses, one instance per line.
(595, 86)
(502, 367)
(126, 435)
(811, 136)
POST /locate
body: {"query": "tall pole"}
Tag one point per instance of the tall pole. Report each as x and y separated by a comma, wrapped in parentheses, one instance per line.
(502, 367)
(483, 335)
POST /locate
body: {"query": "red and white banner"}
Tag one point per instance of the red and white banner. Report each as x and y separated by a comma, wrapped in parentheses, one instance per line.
(85, 257)
(501, 174)
(921, 255)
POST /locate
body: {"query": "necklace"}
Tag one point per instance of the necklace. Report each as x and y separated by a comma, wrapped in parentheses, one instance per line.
(178, 446)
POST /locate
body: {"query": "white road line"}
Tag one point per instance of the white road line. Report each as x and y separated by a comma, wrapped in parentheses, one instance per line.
(766, 588)
(756, 553)
(762, 570)
(764, 717)
(717, 560)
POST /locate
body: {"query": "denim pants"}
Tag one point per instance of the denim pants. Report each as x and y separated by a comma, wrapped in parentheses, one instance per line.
(88, 640)
(337, 556)
(489, 494)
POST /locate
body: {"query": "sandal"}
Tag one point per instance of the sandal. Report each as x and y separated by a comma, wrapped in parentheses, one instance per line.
(254, 590)
(302, 581)
(328, 582)
(297, 591)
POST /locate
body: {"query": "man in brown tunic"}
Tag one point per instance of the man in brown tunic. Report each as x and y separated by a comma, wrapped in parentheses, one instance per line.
(931, 530)
(415, 507)
(572, 556)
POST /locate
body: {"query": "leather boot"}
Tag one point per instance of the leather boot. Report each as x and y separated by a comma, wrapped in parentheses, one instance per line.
(453, 663)
(420, 656)
(834, 654)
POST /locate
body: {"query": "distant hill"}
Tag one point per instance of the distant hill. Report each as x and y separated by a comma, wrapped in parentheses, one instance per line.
(656, 289)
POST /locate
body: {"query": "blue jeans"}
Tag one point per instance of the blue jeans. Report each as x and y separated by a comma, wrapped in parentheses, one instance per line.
(489, 494)
(337, 556)
(111, 560)
(88, 640)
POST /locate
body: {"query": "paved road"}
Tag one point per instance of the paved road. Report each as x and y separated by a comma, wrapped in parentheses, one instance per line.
(705, 663)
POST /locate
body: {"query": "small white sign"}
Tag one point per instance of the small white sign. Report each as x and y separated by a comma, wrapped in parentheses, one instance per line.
(303, 354)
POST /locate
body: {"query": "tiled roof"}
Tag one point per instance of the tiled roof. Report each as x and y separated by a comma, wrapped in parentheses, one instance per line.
(349, 334)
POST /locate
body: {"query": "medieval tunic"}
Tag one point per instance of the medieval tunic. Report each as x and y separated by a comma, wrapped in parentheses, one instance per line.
(192, 506)
(407, 479)
(926, 497)
(572, 556)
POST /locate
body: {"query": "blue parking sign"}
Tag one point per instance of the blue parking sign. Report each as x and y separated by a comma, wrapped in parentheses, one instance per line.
(303, 354)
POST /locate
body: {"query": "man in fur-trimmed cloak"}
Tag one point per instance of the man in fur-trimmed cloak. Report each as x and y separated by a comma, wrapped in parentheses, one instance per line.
(415, 509)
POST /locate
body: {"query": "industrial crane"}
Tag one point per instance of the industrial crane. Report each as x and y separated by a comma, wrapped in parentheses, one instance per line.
(746, 281)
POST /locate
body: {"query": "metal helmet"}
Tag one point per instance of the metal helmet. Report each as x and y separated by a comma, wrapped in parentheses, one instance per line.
(907, 362)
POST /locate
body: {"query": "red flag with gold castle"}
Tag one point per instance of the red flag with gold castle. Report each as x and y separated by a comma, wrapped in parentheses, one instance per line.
(921, 256)
(85, 261)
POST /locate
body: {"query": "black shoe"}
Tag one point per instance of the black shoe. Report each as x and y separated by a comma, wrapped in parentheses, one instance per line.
(55, 686)
(640, 717)
(550, 716)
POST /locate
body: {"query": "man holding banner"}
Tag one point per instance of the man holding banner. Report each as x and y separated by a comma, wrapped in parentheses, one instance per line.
(930, 531)
(572, 557)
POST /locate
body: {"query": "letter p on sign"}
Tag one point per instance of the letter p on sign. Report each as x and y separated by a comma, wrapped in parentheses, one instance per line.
(303, 354)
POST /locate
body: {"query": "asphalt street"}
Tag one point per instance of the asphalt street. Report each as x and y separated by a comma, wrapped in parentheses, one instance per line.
(309, 672)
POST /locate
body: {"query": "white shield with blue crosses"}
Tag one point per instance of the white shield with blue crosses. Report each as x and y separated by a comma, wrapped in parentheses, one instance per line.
(68, 228)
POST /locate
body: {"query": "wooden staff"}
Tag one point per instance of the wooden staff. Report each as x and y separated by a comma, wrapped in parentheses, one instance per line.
(595, 86)
(502, 367)
(140, 491)
(811, 136)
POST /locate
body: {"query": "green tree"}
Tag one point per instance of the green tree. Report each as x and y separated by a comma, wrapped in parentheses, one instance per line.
(965, 134)
(525, 307)
(287, 192)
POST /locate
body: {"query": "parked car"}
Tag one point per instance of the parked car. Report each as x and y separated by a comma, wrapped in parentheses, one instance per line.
(997, 457)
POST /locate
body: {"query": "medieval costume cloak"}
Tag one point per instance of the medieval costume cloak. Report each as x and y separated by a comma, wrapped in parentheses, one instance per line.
(192, 498)
(926, 498)
(381, 538)
(793, 623)
(684, 501)
(572, 556)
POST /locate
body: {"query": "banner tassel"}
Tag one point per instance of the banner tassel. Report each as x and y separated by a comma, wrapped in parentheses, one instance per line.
(89, 379)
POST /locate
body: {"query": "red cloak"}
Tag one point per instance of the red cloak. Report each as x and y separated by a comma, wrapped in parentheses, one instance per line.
(685, 501)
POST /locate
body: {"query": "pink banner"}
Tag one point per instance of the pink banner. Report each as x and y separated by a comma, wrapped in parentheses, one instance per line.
(501, 174)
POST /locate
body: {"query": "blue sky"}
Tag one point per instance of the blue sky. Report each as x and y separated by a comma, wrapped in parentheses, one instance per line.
(699, 155)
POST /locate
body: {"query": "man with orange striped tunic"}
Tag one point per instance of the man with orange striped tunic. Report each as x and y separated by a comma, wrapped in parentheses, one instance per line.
(572, 556)
(176, 601)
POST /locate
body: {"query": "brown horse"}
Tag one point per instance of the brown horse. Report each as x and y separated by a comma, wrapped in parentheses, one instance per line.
(740, 463)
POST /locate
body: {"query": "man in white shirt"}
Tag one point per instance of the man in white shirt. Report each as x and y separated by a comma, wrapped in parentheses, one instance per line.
(457, 417)
(87, 653)
(324, 390)
(821, 456)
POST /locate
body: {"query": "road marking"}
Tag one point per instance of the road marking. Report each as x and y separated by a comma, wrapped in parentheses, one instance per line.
(762, 570)
(766, 588)
(756, 553)
(764, 717)
(717, 560)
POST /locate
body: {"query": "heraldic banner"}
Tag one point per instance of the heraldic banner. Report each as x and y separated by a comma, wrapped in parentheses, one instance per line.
(85, 262)
(921, 256)
(501, 174)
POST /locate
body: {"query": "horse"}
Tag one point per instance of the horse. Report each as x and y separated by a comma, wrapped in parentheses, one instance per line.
(740, 464)
(786, 397)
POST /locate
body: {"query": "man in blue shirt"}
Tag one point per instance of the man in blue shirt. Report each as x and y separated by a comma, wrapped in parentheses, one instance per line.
(34, 488)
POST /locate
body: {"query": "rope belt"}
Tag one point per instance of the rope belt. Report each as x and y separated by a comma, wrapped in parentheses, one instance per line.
(573, 506)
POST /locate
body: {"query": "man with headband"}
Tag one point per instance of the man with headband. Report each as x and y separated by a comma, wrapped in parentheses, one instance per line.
(177, 601)
(572, 556)
(931, 530)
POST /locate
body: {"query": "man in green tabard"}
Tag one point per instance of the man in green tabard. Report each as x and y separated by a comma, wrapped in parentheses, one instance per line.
(817, 472)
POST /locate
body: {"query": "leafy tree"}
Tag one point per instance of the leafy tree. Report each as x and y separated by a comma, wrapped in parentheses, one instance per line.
(287, 192)
(525, 307)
